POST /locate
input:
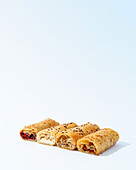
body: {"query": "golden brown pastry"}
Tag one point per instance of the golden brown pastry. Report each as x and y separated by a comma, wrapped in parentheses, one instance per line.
(48, 136)
(98, 142)
(68, 139)
(30, 132)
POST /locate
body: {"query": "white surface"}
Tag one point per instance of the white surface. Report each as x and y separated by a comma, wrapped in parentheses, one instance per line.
(71, 61)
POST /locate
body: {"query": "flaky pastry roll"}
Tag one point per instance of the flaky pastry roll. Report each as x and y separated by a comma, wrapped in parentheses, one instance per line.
(30, 132)
(68, 139)
(98, 142)
(48, 136)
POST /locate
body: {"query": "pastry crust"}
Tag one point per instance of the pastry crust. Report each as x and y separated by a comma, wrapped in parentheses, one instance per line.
(48, 136)
(68, 139)
(30, 132)
(98, 142)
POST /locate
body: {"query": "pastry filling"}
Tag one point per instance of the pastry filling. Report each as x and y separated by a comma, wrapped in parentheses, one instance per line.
(28, 136)
(65, 142)
(47, 138)
(88, 148)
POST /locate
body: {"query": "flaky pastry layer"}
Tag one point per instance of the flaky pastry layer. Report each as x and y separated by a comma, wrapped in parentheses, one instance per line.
(48, 136)
(30, 132)
(68, 139)
(98, 142)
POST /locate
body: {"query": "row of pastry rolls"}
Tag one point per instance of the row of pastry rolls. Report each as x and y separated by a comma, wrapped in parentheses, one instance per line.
(87, 137)
(48, 136)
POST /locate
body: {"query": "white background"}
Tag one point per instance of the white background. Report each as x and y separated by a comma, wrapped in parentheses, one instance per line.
(70, 61)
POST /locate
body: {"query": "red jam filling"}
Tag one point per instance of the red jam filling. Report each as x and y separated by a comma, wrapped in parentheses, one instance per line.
(27, 136)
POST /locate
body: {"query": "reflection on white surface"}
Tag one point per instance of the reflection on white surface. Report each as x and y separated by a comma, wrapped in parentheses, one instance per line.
(115, 148)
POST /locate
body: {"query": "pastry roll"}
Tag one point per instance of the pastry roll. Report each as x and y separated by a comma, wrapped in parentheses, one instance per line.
(98, 142)
(68, 139)
(30, 132)
(48, 136)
